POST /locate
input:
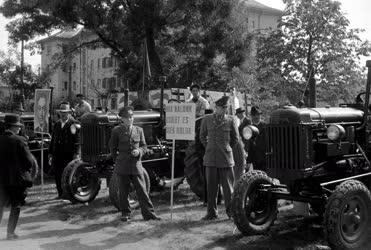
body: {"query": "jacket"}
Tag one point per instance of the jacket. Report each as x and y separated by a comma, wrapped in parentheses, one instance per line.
(218, 139)
(123, 140)
(64, 143)
(256, 153)
(15, 159)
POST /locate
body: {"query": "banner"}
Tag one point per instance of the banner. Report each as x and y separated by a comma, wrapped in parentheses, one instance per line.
(180, 121)
(41, 110)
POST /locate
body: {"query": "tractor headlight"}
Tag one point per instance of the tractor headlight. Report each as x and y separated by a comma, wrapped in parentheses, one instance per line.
(249, 132)
(335, 132)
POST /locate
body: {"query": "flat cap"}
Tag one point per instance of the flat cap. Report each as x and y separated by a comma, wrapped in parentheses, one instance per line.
(124, 111)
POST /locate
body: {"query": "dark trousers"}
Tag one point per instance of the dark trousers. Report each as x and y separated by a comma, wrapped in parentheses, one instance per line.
(139, 184)
(14, 213)
(59, 164)
(214, 178)
(58, 179)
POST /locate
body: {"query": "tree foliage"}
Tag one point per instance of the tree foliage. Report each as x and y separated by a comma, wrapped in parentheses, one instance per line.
(184, 38)
(313, 37)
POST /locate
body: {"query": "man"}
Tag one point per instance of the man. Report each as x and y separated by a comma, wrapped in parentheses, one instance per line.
(64, 146)
(219, 135)
(82, 106)
(15, 161)
(201, 103)
(256, 151)
(240, 113)
(127, 145)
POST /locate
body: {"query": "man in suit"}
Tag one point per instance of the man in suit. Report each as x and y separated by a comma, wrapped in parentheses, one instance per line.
(15, 161)
(65, 144)
(201, 103)
(128, 145)
(256, 150)
(219, 134)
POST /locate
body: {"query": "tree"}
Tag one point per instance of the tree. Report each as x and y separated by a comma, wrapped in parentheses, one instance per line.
(313, 37)
(183, 38)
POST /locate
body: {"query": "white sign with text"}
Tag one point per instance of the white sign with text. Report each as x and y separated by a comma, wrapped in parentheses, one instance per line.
(180, 121)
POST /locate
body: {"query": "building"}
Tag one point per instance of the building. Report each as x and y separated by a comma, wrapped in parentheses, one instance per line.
(91, 71)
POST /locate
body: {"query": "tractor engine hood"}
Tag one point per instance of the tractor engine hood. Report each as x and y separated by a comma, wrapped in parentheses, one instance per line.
(140, 118)
(293, 115)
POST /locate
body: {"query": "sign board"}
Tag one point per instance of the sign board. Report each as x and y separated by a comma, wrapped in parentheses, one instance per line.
(41, 110)
(180, 121)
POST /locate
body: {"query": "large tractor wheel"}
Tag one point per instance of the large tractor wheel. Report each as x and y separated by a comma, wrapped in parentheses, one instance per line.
(34, 168)
(253, 211)
(193, 170)
(348, 216)
(114, 191)
(80, 184)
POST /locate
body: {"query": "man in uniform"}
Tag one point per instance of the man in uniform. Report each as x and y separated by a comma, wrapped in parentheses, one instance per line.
(256, 150)
(82, 106)
(219, 134)
(65, 145)
(201, 103)
(15, 161)
(127, 145)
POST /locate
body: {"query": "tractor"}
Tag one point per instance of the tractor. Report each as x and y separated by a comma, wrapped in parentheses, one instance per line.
(318, 156)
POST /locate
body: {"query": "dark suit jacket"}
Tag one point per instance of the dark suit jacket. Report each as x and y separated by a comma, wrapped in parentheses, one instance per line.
(218, 139)
(123, 140)
(256, 153)
(64, 144)
(15, 158)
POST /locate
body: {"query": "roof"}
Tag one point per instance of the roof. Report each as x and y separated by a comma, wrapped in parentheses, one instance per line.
(252, 4)
(63, 34)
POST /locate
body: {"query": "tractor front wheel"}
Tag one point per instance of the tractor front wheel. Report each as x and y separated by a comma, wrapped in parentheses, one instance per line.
(253, 211)
(348, 217)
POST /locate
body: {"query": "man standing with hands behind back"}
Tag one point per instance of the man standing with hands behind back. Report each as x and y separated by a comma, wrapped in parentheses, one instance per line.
(65, 144)
(219, 134)
(127, 145)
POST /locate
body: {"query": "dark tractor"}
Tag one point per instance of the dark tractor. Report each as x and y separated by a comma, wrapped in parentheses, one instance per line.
(319, 156)
(81, 178)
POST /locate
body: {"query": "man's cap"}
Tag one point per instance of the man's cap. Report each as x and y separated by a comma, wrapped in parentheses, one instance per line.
(255, 110)
(80, 95)
(64, 107)
(222, 101)
(195, 86)
(13, 120)
(124, 111)
(240, 110)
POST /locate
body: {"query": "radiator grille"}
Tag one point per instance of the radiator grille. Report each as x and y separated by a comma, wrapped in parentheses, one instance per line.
(94, 141)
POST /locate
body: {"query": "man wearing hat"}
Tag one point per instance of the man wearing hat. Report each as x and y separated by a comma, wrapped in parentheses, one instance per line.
(127, 146)
(201, 103)
(256, 150)
(82, 106)
(15, 161)
(219, 134)
(65, 145)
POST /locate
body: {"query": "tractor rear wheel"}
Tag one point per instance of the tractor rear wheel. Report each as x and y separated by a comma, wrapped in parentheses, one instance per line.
(253, 211)
(348, 217)
(80, 184)
(193, 170)
(114, 191)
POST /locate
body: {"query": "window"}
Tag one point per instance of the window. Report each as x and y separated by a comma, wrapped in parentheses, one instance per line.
(92, 83)
(74, 85)
(113, 83)
(104, 82)
(98, 63)
(65, 85)
(109, 62)
(103, 63)
(98, 83)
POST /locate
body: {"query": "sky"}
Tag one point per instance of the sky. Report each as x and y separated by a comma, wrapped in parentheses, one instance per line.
(355, 10)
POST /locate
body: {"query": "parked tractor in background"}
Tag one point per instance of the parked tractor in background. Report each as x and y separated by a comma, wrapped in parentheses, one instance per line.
(320, 156)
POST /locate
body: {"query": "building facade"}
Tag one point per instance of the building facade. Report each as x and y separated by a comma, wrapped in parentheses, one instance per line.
(92, 70)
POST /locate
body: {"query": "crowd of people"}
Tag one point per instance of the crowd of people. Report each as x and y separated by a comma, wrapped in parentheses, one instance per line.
(227, 155)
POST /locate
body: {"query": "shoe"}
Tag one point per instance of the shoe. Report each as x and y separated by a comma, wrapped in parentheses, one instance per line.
(153, 218)
(210, 217)
(125, 218)
(11, 236)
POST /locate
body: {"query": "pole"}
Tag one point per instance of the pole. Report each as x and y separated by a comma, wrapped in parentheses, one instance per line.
(172, 181)
(42, 161)
(22, 70)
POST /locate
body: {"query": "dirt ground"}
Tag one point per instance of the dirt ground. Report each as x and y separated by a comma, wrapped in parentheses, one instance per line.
(46, 223)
